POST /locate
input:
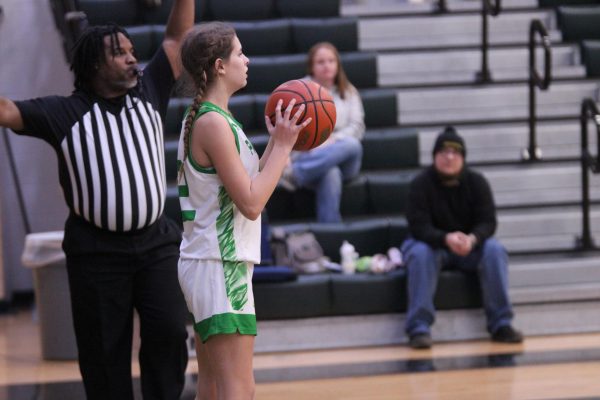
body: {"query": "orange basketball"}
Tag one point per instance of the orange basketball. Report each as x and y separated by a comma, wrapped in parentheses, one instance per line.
(319, 106)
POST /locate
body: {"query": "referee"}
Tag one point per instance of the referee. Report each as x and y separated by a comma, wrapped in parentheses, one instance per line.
(121, 251)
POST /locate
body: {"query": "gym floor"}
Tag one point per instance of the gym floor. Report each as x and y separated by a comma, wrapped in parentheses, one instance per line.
(543, 367)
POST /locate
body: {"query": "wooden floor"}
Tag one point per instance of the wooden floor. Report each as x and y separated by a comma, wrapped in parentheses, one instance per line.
(550, 367)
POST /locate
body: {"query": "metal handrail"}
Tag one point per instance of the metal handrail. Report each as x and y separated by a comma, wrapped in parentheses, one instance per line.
(589, 110)
(532, 152)
(487, 8)
(442, 7)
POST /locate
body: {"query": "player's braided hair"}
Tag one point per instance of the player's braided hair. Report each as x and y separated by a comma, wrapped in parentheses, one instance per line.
(88, 52)
(200, 50)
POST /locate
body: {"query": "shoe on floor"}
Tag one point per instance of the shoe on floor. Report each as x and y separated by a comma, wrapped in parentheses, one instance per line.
(507, 334)
(287, 180)
(420, 341)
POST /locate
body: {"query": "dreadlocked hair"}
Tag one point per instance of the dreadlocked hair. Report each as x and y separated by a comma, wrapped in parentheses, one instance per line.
(200, 50)
(88, 52)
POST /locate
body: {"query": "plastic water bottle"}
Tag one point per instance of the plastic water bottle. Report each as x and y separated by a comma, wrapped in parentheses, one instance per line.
(348, 256)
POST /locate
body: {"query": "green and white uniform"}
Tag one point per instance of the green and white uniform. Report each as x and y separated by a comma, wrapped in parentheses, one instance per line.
(220, 245)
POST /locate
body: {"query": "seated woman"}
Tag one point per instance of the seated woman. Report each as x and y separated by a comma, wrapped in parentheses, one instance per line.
(327, 167)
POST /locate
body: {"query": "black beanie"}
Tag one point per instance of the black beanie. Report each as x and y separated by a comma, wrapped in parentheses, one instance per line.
(450, 138)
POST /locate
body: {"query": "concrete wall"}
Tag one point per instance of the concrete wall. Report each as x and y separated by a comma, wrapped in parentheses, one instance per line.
(32, 64)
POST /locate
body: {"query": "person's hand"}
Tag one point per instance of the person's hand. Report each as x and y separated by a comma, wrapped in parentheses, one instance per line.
(286, 128)
(459, 243)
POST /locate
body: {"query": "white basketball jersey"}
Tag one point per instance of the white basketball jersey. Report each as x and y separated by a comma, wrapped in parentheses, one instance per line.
(213, 226)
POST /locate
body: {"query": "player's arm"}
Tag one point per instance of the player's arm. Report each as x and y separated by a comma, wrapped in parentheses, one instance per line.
(213, 142)
(180, 21)
(266, 153)
(10, 116)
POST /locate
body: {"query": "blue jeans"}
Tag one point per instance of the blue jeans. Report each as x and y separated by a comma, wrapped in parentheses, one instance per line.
(424, 264)
(324, 170)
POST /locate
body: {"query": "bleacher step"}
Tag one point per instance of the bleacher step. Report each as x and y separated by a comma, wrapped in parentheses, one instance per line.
(460, 66)
(446, 105)
(443, 31)
(545, 271)
(365, 8)
(450, 325)
(505, 142)
(535, 184)
(556, 293)
(544, 228)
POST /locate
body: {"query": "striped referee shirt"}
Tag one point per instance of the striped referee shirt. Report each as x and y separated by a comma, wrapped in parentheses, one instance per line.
(110, 152)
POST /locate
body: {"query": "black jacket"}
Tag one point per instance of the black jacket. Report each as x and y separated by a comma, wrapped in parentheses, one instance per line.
(435, 210)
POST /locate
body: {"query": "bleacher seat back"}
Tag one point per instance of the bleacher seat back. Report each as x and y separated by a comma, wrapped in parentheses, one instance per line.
(143, 39)
(390, 149)
(242, 109)
(313, 290)
(172, 208)
(579, 23)
(171, 160)
(355, 199)
(266, 73)
(389, 193)
(265, 37)
(557, 3)
(308, 8)
(260, 101)
(590, 50)
(239, 10)
(342, 32)
(398, 231)
(100, 12)
(380, 107)
(284, 205)
(364, 293)
(160, 14)
(174, 118)
(361, 68)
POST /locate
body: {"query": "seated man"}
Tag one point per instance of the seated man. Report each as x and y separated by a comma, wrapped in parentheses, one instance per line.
(452, 218)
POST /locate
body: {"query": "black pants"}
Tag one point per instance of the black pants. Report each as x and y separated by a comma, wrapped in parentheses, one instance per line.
(110, 274)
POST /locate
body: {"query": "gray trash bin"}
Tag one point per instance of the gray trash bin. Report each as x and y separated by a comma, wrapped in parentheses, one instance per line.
(44, 255)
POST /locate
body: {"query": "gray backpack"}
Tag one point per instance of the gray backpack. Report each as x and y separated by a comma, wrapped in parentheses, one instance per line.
(299, 250)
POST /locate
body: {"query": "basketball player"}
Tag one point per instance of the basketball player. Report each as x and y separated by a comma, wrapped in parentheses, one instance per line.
(121, 251)
(223, 189)
(325, 168)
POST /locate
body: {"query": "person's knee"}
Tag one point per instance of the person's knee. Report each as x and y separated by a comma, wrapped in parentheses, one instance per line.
(170, 329)
(493, 248)
(419, 251)
(355, 147)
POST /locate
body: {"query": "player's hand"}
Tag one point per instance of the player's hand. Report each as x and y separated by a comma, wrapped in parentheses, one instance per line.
(286, 128)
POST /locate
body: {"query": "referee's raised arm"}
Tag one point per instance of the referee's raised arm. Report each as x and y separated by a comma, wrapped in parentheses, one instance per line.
(181, 20)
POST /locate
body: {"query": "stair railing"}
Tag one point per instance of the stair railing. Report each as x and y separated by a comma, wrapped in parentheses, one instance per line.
(487, 8)
(533, 152)
(442, 7)
(69, 22)
(589, 110)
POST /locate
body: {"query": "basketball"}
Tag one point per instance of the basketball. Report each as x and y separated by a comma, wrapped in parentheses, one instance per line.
(319, 107)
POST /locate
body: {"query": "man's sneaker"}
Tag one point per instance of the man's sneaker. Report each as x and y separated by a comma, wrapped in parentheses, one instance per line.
(420, 341)
(287, 180)
(507, 334)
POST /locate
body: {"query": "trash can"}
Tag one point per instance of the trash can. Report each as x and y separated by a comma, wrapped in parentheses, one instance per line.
(43, 254)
